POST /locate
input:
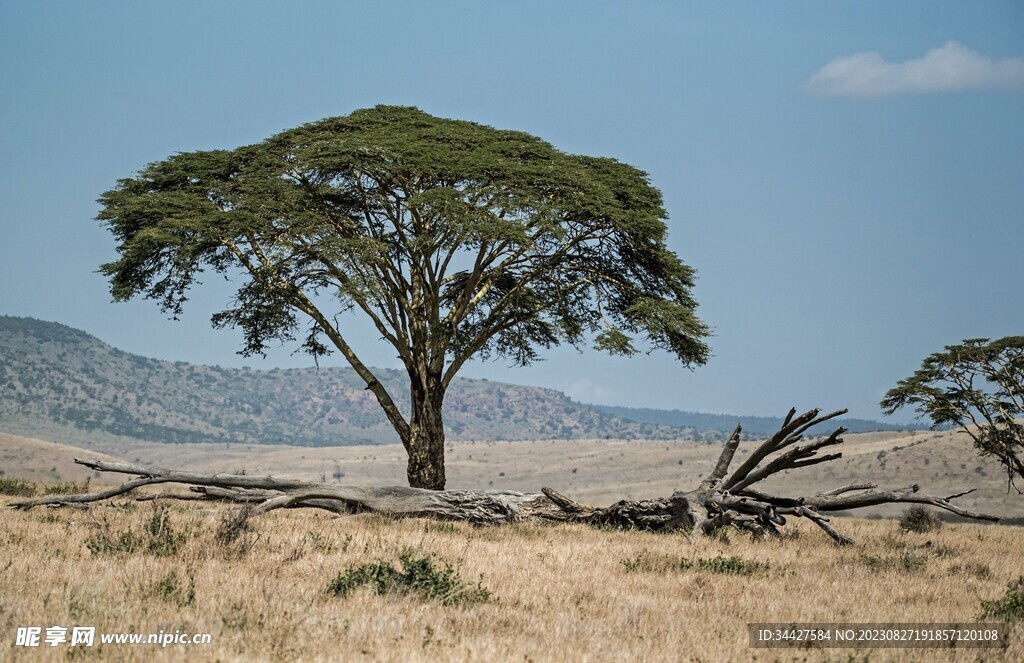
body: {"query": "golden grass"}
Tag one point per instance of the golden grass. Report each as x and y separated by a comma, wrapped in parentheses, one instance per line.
(559, 593)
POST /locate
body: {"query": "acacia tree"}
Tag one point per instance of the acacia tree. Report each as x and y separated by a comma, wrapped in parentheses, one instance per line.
(978, 386)
(454, 239)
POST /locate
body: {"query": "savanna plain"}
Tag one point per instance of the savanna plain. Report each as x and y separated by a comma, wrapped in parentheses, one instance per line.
(304, 585)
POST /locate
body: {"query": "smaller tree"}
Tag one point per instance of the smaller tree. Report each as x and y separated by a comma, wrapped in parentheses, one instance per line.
(977, 386)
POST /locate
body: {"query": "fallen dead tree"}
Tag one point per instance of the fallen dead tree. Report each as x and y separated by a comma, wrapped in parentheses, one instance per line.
(723, 499)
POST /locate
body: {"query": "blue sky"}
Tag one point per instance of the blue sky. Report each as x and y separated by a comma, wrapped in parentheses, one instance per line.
(847, 178)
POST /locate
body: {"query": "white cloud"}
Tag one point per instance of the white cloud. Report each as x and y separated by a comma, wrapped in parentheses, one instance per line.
(950, 68)
(587, 391)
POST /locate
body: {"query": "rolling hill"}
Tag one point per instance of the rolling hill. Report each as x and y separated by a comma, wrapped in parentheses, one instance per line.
(61, 383)
(57, 382)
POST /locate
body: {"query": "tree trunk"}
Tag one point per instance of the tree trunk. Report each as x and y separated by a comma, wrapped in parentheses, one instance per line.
(425, 445)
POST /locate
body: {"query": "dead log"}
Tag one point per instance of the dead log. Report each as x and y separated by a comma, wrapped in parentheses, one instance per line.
(721, 499)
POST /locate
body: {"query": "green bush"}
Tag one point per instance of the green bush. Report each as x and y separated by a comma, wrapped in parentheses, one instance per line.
(161, 539)
(17, 488)
(235, 532)
(106, 542)
(731, 566)
(417, 575)
(648, 562)
(971, 570)
(68, 488)
(1010, 608)
(661, 563)
(907, 560)
(171, 588)
(919, 519)
(157, 538)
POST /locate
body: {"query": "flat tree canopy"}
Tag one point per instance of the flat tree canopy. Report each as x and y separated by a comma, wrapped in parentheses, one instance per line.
(977, 385)
(453, 238)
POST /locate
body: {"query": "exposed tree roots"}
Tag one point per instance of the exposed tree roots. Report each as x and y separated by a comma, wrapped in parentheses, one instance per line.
(721, 500)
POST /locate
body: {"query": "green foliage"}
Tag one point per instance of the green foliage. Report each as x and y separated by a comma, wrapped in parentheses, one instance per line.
(614, 341)
(971, 570)
(648, 562)
(236, 616)
(660, 563)
(161, 538)
(1010, 608)
(171, 588)
(17, 487)
(157, 537)
(978, 386)
(235, 532)
(106, 542)
(233, 525)
(453, 239)
(919, 519)
(905, 561)
(416, 575)
(66, 488)
(731, 566)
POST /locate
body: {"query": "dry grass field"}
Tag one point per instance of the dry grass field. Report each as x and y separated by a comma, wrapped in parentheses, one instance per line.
(556, 593)
(553, 592)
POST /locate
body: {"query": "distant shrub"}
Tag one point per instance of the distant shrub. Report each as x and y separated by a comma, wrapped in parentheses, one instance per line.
(439, 527)
(235, 531)
(105, 542)
(912, 560)
(942, 551)
(648, 562)
(661, 563)
(731, 566)
(17, 487)
(157, 538)
(171, 588)
(233, 524)
(162, 539)
(66, 488)
(417, 575)
(972, 569)
(919, 519)
(908, 560)
(1010, 608)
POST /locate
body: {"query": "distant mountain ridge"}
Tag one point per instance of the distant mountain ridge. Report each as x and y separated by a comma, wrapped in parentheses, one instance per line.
(61, 383)
(753, 427)
(57, 382)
